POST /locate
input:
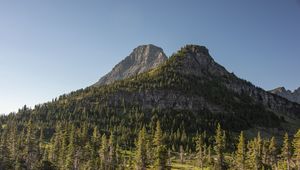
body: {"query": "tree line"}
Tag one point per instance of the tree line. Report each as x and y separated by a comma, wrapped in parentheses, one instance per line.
(84, 147)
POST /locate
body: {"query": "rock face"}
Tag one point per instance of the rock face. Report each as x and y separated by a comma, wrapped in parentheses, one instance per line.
(142, 59)
(291, 96)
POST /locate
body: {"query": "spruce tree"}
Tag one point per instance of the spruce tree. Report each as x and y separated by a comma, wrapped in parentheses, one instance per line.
(296, 145)
(200, 150)
(112, 151)
(241, 152)
(254, 153)
(70, 156)
(140, 155)
(31, 148)
(219, 147)
(286, 151)
(160, 149)
(272, 152)
(209, 156)
(5, 162)
(104, 152)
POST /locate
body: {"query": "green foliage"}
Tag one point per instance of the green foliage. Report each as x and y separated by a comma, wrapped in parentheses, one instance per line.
(141, 152)
(219, 147)
(160, 148)
(286, 152)
(296, 145)
(240, 156)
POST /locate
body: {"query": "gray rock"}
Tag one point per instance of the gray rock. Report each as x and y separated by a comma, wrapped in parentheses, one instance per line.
(291, 96)
(142, 59)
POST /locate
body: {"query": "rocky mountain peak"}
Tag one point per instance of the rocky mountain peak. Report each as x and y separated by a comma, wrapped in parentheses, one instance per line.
(196, 60)
(279, 90)
(141, 59)
(292, 96)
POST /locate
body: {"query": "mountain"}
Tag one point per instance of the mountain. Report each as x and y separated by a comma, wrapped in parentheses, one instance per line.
(189, 90)
(180, 100)
(193, 82)
(143, 58)
(292, 96)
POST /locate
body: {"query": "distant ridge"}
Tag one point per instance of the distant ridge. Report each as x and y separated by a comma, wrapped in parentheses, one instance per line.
(288, 94)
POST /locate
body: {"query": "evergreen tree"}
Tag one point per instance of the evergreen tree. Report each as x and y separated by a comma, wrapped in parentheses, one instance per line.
(272, 152)
(200, 147)
(69, 164)
(112, 151)
(104, 152)
(219, 147)
(296, 145)
(265, 157)
(241, 152)
(140, 155)
(55, 145)
(209, 155)
(5, 162)
(31, 149)
(254, 153)
(95, 144)
(286, 151)
(158, 135)
(160, 149)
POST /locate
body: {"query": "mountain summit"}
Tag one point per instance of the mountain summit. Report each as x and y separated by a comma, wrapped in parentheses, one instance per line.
(142, 59)
(292, 96)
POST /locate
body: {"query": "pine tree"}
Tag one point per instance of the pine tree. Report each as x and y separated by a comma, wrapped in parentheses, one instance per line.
(241, 152)
(13, 145)
(158, 135)
(265, 157)
(286, 151)
(70, 156)
(209, 156)
(63, 149)
(55, 145)
(254, 153)
(296, 145)
(160, 149)
(5, 162)
(272, 152)
(112, 151)
(219, 147)
(200, 147)
(31, 149)
(141, 156)
(104, 152)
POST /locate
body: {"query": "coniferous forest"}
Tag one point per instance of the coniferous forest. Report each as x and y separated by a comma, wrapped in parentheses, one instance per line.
(84, 146)
(118, 126)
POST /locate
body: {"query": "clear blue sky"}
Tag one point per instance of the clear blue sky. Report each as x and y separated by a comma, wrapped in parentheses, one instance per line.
(52, 47)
